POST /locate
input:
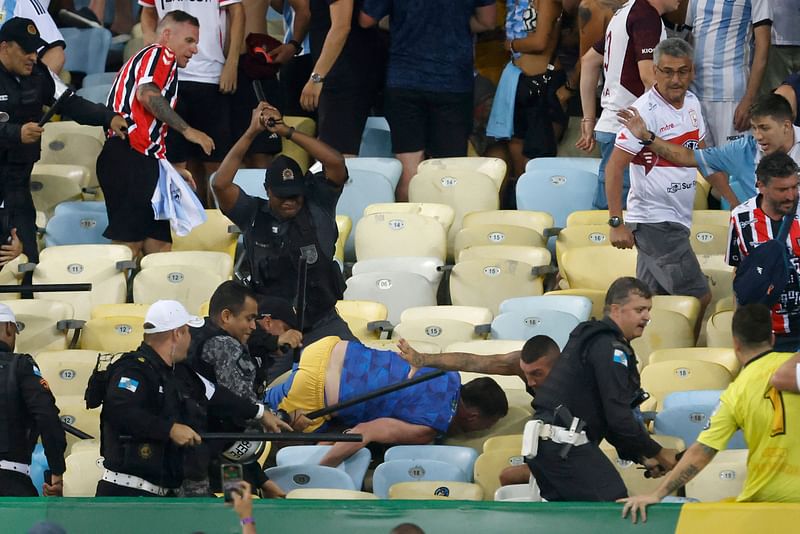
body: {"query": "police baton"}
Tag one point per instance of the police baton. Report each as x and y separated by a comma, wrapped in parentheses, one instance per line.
(271, 436)
(77, 432)
(66, 95)
(300, 298)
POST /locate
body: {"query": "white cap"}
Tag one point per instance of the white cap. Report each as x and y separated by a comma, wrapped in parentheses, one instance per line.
(166, 315)
(7, 316)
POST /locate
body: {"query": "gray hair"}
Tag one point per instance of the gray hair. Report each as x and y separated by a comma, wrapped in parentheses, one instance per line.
(673, 47)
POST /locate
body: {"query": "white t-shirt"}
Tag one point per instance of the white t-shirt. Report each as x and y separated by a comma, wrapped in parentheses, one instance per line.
(661, 191)
(36, 10)
(206, 65)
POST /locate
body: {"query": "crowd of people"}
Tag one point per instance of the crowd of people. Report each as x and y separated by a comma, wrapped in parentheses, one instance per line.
(681, 84)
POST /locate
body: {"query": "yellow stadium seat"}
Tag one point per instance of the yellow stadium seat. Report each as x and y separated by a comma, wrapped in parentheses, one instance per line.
(665, 377)
(597, 267)
(708, 239)
(330, 494)
(84, 471)
(359, 313)
(53, 184)
(46, 324)
(439, 331)
(67, 142)
(720, 279)
(496, 235)
(581, 235)
(519, 413)
(584, 217)
(219, 263)
(509, 441)
(67, 371)
(718, 330)
(722, 478)
(475, 315)
(489, 282)
(441, 212)
(116, 310)
(293, 150)
(391, 344)
(686, 305)
(211, 236)
(535, 220)
(721, 355)
(78, 174)
(507, 382)
(490, 464)
(667, 330)
(486, 347)
(434, 490)
(112, 334)
(11, 276)
(72, 410)
(494, 168)
(384, 235)
(191, 286)
(725, 304)
(534, 256)
(701, 193)
(715, 217)
(632, 473)
(344, 225)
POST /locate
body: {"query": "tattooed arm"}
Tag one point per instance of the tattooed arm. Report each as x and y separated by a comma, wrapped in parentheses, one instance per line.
(693, 461)
(149, 95)
(497, 364)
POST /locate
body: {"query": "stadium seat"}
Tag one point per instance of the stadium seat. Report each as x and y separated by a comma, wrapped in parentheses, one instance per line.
(10, 275)
(496, 235)
(576, 305)
(355, 466)
(103, 266)
(112, 334)
(701, 194)
(632, 473)
(407, 470)
(718, 330)
(67, 371)
(389, 168)
(95, 93)
(524, 325)
(441, 212)
(463, 190)
(475, 315)
(721, 355)
(494, 168)
(461, 457)
(344, 225)
(52, 184)
(490, 464)
(489, 282)
(219, 263)
(591, 165)
(662, 378)
(686, 413)
(581, 235)
(540, 221)
(725, 304)
(439, 331)
(70, 143)
(720, 279)
(508, 441)
(486, 347)
(428, 490)
(83, 207)
(722, 478)
(250, 181)
(73, 411)
(76, 229)
(391, 344)
(361, 189)
(359, 313)
(686, 305)
(385, 235)
(533, 256)
(519, 413)
(84, 471)
(305, 125)
(715, 217)
(78, 174)
(666, 330)
(557, 191)
(597, 267)
(397, 290)
(303, 476)
(99, 78)
(189, 285)
(46, 324)
(211, 236)
(88, 49)
(708, 239)
(428, 267)
(376, 141)
(589, 217)
(331, 494)
(117, 310)
(519, 492)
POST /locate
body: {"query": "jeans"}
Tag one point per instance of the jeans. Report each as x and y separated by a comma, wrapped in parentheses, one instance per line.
(605, 140)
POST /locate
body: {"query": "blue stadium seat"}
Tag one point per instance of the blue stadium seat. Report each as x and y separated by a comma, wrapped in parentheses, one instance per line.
(38, 466)
(556, 191)
(686, 413)
(87, 49)
(584, 164)
(77, 229)
(80, 206)
(389, 168)
(526, 324)
(99, 78)
(580, 307)
(355, 466)
(95, 93)
(376, 141)
(250, 180)
(362, 189)
(291, 477)
(394, 471)
(461, 457)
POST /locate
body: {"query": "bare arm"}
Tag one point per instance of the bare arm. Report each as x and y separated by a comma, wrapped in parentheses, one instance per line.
(54, 58)
(591, 66)
(719, 181)
(785, 378)
(484, 19)
(497, 364)
(341, 14)
(646, 73)
(538, 41)
(302, 18)
(149, 95)
(149, 20)
(382, 430)
(617, 163)
(761, 34)
(229, 76)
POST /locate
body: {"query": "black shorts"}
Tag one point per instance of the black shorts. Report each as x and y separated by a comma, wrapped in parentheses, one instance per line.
(128, 179)
(343, 111)
(243, 103)
(536, 110)
(204, 108)
(437, 123)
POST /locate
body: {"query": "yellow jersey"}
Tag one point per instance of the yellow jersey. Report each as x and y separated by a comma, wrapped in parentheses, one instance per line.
(770, 421)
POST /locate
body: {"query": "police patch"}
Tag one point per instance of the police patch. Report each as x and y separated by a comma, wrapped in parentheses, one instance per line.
(36, 371)
(620, 357)
(145, 452)
(128, 383)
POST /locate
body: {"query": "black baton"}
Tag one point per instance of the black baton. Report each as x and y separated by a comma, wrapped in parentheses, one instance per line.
(271, 436)
(66, 95)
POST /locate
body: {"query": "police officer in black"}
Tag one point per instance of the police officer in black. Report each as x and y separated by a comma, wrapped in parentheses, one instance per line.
(143, 400)
(26, 86)
(299, 219)
(27, 411)
(596, 381)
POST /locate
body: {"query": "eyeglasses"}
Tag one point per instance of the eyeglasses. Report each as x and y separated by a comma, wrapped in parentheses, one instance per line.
(669, 73)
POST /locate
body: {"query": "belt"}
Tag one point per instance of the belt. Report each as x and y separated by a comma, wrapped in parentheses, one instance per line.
(25, 469)
(130, 481)
(558, 434)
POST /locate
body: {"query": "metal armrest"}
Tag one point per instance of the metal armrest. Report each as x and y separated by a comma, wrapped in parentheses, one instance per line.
(233, 229)
(126, 265)
(26, 267)
(482, 329)
(380, 326)
(550, 232)
(541, 270)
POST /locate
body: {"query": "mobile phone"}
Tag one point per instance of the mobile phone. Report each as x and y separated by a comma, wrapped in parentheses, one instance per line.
(48, 477)
(231, 477)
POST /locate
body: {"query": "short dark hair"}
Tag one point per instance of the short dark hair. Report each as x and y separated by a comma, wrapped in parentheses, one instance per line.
(772, 105)
(407, 528)
(621, 289)
(752, 325)
(179, 17)
(230, 295)
(775, 165)
(486, 395)
(538, 347)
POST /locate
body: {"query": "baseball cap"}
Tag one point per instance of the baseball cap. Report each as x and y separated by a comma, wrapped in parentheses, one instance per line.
(166, 315)
(285, 178)
(278, 308)
(23, 32)
(7, 316)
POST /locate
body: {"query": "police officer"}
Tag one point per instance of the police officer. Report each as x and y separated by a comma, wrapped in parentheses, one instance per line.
(26, 85)
(27, 410)
(592, 393)
(271, 342)
(298, 220)
(143, 400)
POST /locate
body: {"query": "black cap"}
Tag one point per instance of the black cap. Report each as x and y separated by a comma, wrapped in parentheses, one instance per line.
(278, 308)
(285, 178)
(23, 32)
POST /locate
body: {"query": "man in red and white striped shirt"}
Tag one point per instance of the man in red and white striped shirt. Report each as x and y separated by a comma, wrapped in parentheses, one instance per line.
(144, 93)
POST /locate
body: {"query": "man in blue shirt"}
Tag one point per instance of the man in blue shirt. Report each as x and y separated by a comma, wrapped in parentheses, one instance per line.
(430, 78)
(772, 131)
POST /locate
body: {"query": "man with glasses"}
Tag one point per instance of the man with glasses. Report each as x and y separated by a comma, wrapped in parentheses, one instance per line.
(662, 194)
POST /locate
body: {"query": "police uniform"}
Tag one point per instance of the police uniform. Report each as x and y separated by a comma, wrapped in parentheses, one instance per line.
(27, 410)
(596, 379)
(21, 101)
(274, 246)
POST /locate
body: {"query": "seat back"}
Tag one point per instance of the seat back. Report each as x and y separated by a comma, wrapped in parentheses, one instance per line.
(662, 378)
(40, 318)
(556, 191)
(708, 239)
(53, 184)
(304, 476)
(583, 235)
(96, 93)
(721, 355)
(116, 310)
(70, 143)
(666, 330)
(534, 256)
(631, 474)
(219, 263)
(76, 229)
(355, 466)
(112, 334)
(596, 267)
(361, 189)
(343, 226)
(494, 168)
(305, 125)
(686, 418)
(376, 141)
(389, 168)
(84, 207)
(461, 457)
(474, 315)
(686, 305)
(535, 220)
(428, 267)
(211, 236)
(406, 470)
(396, 290)
(359, 313)
(441, 212)
(722, 478)
(67, 371)
(428, 490)
(399, 234)
(576, 305)
(496, 235)
(524, 325)
(331, 494)
(84, 471)
(191, 286)
(507, 441)
(486, 347)
(596, 296)
(491, 463)
(489, 282)
(591, 165)
(439, 331)
(718, 330)
(72, 410)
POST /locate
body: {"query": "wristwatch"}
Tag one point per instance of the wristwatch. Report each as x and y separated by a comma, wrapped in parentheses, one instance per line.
(615, 221)
(297, 46)
(317, 78)
(649, 141)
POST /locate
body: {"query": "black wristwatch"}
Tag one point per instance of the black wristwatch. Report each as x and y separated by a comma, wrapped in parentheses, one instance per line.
(615, 222)
(297, 46)
(649, 141)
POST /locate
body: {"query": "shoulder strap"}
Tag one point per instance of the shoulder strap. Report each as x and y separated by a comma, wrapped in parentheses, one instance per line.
(786, 225)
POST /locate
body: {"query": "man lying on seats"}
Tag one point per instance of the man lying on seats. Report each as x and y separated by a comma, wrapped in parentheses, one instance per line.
(332, 371)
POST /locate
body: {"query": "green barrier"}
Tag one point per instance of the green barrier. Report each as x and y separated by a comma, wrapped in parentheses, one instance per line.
(178, 516)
